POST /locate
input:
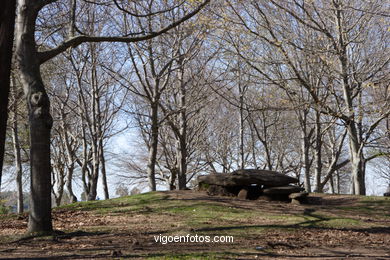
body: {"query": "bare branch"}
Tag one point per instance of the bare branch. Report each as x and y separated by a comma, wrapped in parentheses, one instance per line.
(77, 40)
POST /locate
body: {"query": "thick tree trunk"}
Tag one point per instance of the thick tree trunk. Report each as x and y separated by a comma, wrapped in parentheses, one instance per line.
(60, 191)
(358, 186)
(172, 179)
(95, 168)
(182, 164)
(69, 188)
(153, 147)
(7, 22)
(92, 187)
(39, 118)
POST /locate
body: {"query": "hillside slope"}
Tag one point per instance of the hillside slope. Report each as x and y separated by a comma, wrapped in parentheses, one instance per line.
(331, 227)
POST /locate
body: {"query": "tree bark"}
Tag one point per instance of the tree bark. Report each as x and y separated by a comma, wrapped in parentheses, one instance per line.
(182, 142)
(17, 159)
(7, 23)
(69, 188)
(153, 147)
(103, 168)
(39, 118)
(331, 185)
(358, 186)
(241, 110)
(305, 143)
(318, 153)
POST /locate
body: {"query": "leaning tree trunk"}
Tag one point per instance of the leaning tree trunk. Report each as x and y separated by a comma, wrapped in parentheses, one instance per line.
(6, 39)
(40, 119)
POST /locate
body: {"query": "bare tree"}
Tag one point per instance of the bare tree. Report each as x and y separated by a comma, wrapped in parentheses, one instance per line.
(29, 60)
(342, 49)
(15, 98)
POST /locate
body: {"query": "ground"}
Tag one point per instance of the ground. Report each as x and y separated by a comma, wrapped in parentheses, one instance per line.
(330, 227)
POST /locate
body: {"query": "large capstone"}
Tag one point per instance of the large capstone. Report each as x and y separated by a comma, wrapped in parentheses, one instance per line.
(247, 177)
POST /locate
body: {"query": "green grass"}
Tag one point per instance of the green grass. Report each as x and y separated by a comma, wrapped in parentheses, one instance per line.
(212, 216)
(370, 205)
(123, 204)
(3, 209)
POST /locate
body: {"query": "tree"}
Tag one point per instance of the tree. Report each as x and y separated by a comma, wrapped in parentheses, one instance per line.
(349, 52)
(7, 22)
(121, 190)
(15, 97)
(29, 60)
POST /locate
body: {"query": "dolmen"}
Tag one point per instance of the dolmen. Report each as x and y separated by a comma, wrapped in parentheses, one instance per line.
(253, 184)
(387, 193)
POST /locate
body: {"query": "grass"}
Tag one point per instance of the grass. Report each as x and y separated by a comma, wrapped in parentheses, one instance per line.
(3, 209)
(148, 214)
(117, 205)
(373, 206)
(201, 215)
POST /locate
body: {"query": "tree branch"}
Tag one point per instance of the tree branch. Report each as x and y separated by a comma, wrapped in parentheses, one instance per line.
(77, 40)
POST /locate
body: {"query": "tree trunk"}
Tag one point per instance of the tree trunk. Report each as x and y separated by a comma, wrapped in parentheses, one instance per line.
(92, 184)
(182, 163)
(242, 155)
(7, 23)
(60, 191)
(306, 160)
(18, 159)
(182, 142)
(172, 179)
(40, 119)
(318, 154)
(153, 147)
(358, 186)
(103, 167)
(70, 157)
(331, 185)
(69, 187)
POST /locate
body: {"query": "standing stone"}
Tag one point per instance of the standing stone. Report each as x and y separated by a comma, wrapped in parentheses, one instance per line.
(299, 197)
(243, 194)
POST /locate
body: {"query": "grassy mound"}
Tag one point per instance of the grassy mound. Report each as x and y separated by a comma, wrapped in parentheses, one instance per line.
(129, 226)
